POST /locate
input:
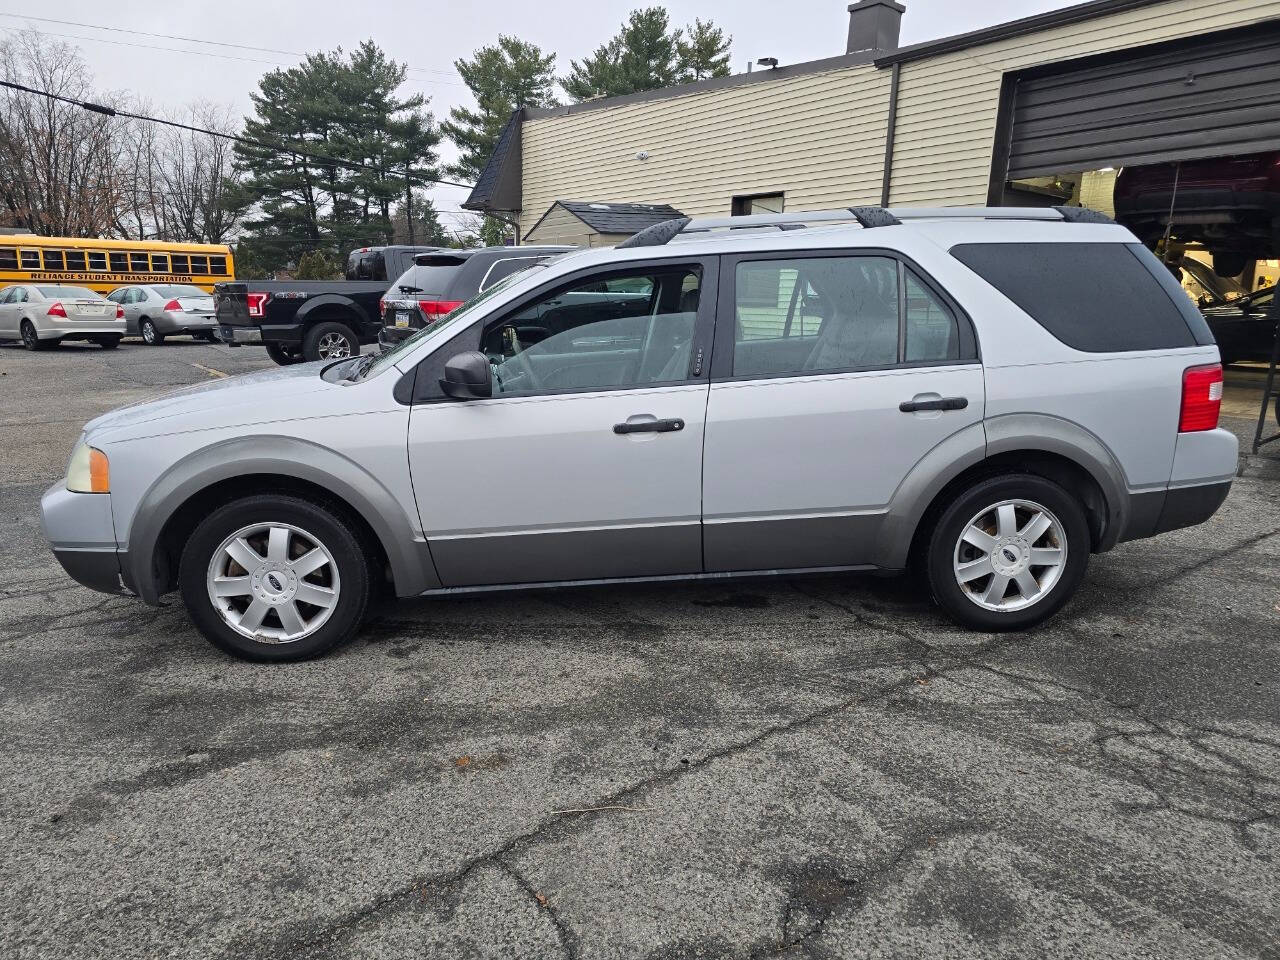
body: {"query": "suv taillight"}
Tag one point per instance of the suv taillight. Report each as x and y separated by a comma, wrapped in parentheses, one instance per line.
(57, 310)
(1201, 398)
(434, 309)
(382, 306)
(257, 302)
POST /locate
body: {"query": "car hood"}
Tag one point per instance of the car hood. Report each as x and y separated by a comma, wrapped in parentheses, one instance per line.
(266, 395)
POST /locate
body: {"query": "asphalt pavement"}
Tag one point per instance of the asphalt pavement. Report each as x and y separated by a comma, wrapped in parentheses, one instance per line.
(818, 767)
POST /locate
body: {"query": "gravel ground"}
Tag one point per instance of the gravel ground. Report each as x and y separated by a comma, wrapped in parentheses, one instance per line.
(795, 768)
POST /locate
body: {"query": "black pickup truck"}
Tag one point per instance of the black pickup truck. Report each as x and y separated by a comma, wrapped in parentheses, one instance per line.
(299, 320)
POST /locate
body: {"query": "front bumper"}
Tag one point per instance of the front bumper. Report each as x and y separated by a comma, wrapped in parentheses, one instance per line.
(81, 532)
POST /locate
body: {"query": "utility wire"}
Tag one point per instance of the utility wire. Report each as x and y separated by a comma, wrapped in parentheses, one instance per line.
(199, 53)
(170, 36)
(248, 141)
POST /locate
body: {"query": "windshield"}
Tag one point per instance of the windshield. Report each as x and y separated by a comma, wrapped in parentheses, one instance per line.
(179, 290)
(448, 321)
(77, 293)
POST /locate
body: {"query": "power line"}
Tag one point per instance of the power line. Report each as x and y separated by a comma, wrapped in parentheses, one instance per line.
(197, 53)
(170, 36)
(248, 141)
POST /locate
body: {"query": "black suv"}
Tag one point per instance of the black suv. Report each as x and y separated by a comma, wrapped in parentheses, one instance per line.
(441, 281)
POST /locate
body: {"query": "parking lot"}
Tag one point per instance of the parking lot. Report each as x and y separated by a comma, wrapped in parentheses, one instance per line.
(814, 767)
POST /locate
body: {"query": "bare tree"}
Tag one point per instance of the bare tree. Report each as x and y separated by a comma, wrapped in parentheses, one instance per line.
(200, 190)
(58, 162)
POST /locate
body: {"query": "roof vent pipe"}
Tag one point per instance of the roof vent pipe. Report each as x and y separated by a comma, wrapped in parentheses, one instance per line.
(874, 25)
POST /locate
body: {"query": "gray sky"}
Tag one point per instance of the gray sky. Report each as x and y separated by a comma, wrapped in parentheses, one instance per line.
(429, 36)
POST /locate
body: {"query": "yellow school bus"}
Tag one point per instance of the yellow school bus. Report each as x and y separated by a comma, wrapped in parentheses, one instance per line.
(103, 265)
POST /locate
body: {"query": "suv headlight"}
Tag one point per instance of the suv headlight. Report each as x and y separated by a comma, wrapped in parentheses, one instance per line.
(88, 471)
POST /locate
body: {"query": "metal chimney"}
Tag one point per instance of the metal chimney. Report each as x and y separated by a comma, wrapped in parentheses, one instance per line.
(874, 25)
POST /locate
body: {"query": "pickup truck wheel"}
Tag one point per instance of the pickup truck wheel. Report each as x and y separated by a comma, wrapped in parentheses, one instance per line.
(330, 341)
(283, 355)
(1007, 553)
(275, 578)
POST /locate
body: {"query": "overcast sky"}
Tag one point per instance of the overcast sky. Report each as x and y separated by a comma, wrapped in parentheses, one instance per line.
(429, 35)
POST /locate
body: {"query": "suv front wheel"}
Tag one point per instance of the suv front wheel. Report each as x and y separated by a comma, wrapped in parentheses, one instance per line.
(275, 578)
(1007, 553)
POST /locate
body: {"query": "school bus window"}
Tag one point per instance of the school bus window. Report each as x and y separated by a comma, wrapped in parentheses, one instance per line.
(75, 260)
(97, 260)
(8, 258)
(218, 265)
(138, 262)
(30, 259)
(180, 263)
(53, 260)
(119, 262)
(159, 263)
(199, 264)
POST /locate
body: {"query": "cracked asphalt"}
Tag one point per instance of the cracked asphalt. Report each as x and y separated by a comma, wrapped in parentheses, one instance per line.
(798, 768)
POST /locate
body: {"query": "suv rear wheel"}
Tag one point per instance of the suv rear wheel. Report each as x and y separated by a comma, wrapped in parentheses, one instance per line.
(330, 341)
(1007, 553)
(275, 578)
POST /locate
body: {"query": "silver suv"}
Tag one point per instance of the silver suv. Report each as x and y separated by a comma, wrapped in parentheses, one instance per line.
(994, 394)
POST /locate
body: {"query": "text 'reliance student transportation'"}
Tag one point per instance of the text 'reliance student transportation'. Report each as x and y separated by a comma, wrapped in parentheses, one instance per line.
(103, 265)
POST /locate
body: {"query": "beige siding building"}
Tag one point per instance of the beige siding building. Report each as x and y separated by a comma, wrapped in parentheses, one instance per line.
(933, 124)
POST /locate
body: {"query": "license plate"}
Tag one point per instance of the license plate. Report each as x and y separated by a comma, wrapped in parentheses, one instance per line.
(402, 318)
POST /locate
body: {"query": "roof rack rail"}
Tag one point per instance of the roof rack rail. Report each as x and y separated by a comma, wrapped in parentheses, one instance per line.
(663, 233)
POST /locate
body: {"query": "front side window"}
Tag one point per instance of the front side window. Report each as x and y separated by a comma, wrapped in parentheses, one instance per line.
(621, 331)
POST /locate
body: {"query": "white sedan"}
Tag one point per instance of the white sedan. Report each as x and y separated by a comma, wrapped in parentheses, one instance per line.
(42, 316)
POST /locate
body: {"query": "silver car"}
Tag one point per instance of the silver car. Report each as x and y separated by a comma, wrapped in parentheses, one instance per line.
(814, 392)
(155, 311)
(44, 315)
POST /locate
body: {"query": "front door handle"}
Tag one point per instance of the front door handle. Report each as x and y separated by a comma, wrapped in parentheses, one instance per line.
(649, 426)
(942, 403)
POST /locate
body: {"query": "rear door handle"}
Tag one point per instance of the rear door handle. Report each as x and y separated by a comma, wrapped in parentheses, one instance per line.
(649, 426)
(942, 403)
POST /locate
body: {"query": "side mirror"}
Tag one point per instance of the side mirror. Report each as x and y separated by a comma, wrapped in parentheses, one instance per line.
(466, 376)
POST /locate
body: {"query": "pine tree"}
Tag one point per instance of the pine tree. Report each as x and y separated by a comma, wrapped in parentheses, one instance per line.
(643, 56)
(340, 106)
(502, 78)
(703, 52)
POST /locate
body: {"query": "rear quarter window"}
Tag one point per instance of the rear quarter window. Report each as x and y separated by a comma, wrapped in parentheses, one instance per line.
(1095, 297)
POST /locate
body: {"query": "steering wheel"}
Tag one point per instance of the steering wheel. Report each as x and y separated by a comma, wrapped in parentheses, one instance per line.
(522, 361)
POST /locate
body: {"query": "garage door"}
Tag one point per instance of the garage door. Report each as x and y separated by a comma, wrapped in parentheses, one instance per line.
(1214, 95)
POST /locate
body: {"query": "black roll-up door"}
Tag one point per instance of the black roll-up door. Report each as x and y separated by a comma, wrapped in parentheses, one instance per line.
(1212, 95)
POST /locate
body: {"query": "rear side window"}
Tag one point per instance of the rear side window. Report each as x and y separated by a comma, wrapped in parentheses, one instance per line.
(1096, 297)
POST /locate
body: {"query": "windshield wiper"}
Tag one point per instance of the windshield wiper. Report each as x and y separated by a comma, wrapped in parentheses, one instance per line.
(361, 366)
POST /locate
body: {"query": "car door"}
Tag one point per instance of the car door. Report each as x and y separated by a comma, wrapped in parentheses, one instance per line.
(8, 320)
(20, 307)
(834, 374)
(586, 461)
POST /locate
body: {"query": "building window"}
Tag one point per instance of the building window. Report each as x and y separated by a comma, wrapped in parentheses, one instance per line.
(758, 203)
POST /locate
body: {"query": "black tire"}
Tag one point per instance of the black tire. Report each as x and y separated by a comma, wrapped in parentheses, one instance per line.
(150, 335)
(108, 343)
(323, 525)
(322, 341)
(32, 341)
(283, 355)
(945, 540)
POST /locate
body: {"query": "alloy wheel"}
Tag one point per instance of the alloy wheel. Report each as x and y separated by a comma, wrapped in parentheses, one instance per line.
(333, 346)
(273, 582)
(29, 338)
(1010, 555)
